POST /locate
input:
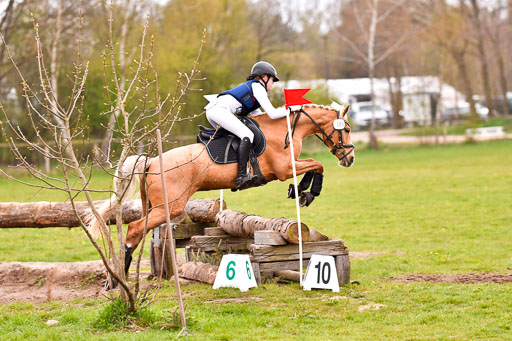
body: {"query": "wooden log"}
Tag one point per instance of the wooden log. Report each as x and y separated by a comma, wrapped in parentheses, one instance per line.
(203, 210)
(214, 231)
(288, 274)
(56, 214)
(257, 273)
(198, 271)
(242, 224)
(267, 253)
(160, 254)
(268, 238)
(220, 243)
(184, 230)
(315, 236)
(60, 214)
(343, 268)
(286, 265)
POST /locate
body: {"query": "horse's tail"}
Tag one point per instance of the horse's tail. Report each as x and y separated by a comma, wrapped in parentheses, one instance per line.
(129, 175)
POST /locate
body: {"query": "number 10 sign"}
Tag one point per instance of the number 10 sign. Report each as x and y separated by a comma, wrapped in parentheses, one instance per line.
(235, 271)
(321, 274)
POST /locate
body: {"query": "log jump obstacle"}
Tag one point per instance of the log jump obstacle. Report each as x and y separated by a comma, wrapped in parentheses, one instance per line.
(272, 243)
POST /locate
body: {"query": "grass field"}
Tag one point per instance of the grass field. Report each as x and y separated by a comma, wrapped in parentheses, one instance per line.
(460, 129)
(445, 210)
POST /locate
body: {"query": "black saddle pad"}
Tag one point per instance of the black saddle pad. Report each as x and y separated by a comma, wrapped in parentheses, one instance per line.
(223, 148)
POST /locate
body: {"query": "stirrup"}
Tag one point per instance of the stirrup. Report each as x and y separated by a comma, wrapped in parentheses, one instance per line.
(245, 182)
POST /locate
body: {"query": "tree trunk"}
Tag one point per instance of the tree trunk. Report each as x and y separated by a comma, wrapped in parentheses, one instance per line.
(458, 56)
(54, 68)
(497, 41)
(198, 271)
(483, 57)
(371, 70)
(104, 156)
(61, 214)
(242, 224)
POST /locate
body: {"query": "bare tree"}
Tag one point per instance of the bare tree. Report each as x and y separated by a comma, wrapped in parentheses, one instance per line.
(368, 16)
(446, 28)
(498, 30)
(60, 127)
(129, 8)
(476, 17)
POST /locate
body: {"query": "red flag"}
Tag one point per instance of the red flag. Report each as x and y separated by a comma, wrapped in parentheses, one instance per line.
(295, 97)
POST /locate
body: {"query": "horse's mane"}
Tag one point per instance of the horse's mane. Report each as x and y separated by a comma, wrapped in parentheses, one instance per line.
(320, 106)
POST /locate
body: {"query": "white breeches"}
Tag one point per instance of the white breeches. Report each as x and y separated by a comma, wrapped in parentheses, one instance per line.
(220, 114)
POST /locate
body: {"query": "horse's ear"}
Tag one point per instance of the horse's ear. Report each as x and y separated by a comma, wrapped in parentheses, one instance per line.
(345, 111)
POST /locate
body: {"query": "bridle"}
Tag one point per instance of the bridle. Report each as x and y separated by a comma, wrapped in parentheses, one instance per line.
(337, 146)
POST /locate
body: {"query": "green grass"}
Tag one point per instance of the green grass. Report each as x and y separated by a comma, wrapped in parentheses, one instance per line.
(447, 208)
(460, 129)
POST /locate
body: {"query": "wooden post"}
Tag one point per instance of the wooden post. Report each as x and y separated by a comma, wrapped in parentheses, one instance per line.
(158, 254)
(343, 269)
(256, 270)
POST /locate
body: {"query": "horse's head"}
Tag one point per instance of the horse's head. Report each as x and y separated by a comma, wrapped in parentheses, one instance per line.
(333, 129)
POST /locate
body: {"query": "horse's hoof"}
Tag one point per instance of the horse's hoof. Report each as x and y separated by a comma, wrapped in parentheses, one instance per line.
(306, 198)
(127, 258)
(291, 192)
(110, 279)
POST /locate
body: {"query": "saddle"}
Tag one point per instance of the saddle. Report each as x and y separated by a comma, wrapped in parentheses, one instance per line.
(222, 145)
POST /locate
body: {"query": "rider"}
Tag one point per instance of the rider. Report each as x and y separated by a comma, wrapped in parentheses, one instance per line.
(243, 100)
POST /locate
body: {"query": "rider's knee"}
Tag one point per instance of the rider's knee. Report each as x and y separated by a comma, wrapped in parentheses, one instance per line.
(250, 136)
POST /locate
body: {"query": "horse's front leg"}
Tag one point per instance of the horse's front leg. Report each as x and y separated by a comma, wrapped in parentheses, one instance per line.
(314, 176)
(302, 166)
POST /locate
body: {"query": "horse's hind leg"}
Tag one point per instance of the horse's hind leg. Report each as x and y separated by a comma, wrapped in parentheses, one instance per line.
(155, 218)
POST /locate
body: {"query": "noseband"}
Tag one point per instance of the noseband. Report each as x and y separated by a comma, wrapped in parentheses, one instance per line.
(328, 137)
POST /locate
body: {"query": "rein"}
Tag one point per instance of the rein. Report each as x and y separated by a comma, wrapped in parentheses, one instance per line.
(328, 138)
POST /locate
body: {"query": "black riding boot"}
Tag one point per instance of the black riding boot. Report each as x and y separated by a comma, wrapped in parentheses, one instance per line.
(243, 180)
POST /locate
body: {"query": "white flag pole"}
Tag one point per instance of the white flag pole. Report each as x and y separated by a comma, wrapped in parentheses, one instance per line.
(292, 153)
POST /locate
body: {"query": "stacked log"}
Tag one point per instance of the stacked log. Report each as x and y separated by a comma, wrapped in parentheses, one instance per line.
(243, 224)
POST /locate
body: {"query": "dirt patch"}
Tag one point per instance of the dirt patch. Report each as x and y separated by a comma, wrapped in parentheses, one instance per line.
(236, 300)
(472, 278)
(40, 282)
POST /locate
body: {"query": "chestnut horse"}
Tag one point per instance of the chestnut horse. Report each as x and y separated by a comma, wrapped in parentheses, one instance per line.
(189, 169)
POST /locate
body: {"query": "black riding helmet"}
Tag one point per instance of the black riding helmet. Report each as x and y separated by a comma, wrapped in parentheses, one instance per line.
(263, 68)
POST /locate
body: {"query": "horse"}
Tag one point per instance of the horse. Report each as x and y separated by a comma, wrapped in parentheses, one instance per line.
(189, 169)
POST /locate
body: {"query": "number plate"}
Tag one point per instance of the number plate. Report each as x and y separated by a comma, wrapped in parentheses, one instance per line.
(338, 124)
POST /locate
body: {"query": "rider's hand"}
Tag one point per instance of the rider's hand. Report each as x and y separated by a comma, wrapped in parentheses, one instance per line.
(295, 107)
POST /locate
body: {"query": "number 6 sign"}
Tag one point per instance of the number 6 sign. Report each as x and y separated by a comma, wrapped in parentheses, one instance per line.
(321, 274)
(235, 271)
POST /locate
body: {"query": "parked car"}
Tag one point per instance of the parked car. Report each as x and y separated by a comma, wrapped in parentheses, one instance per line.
(361, 114)
(462, 112)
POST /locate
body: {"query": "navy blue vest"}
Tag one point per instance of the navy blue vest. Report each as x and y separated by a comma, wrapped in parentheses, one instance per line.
(243, 94)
